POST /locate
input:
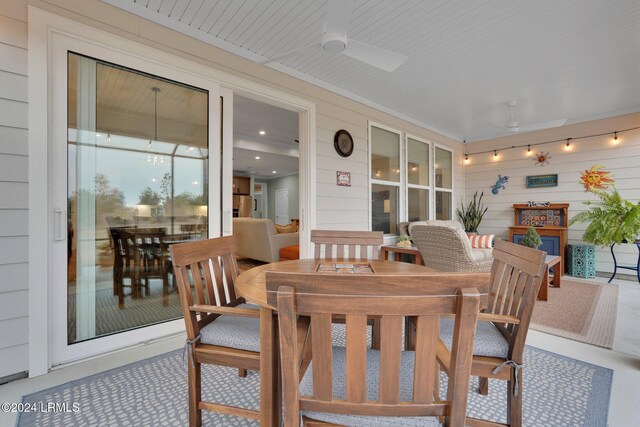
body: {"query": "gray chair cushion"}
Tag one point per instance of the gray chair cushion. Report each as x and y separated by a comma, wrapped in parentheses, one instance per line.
(373, 390)
(238, 332)
(489, 341)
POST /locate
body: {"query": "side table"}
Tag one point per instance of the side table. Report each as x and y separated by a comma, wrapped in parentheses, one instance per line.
(396, 250)
(581, 260)
(550, 261)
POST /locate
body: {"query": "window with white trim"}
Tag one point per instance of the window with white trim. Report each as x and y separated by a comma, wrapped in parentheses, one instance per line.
(411, 179)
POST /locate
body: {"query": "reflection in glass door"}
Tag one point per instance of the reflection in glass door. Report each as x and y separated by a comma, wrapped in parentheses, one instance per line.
(138, 156)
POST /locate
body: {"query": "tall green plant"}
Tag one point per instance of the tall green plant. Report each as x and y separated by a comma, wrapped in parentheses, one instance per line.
(613, 219)
(471, 215)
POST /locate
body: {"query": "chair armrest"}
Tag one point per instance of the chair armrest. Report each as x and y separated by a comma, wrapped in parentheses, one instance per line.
(232, 311)
(498, 318)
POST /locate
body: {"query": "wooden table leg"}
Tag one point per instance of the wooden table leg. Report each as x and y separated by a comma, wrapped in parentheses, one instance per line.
(385, 255)
(543, 293)
(419, 258)
(269, 373)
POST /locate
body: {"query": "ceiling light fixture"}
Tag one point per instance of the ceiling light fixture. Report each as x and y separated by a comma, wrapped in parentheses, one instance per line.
(262, 132)
(257, 157)
(274, 172)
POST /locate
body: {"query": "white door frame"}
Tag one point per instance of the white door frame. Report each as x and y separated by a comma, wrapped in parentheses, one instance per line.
(43, 28)
(60, 351)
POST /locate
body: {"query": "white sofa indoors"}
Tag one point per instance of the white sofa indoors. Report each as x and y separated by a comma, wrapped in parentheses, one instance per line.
(258, 239)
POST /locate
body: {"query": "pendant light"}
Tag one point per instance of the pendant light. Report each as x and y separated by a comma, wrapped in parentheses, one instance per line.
(155, 159)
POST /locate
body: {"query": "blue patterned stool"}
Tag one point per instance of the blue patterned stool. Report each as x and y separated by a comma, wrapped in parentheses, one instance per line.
(582, 260)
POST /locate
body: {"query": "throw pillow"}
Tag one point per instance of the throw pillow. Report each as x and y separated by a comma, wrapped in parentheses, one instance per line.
(479, 241)
(289, 228)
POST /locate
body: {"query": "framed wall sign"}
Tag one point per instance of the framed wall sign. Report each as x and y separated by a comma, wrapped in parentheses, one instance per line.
(343, 179)
(538, 181)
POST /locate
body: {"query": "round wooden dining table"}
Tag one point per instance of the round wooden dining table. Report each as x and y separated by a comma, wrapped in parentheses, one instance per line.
(252, 287)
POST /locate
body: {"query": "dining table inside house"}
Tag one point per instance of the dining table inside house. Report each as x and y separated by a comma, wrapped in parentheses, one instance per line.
(251, 285)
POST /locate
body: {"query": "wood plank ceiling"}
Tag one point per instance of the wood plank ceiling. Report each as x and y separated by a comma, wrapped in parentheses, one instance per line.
(574, 59)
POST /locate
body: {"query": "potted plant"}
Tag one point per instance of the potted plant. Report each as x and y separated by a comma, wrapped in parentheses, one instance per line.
(404, 241)
(531, 239)
(613, 220)
(471, 215)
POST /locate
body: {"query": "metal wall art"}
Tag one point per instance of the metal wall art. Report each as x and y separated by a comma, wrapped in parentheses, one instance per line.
(596, 178)
(499, 185)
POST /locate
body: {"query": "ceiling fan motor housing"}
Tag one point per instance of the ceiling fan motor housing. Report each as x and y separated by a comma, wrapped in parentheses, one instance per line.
(334, 42)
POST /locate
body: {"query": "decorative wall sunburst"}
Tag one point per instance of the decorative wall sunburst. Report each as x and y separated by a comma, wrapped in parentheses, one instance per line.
(541, 158)
(596, 178)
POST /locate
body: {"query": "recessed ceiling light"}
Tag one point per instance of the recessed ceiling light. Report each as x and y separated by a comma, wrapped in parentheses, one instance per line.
(262, 132)
(195, 182)
(257, 157)
(274, 172)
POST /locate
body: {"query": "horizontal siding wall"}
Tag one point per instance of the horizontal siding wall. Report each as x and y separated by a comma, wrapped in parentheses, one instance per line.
(623, 160)
(14, 189)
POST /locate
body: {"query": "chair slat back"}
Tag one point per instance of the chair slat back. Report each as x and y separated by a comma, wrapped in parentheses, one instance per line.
(339, 244)
(210, 268)
(516, 275)
(390, 306)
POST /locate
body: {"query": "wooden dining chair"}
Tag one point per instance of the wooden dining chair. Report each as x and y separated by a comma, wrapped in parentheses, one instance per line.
(221, 328)
(357, 386)
(502, 327)
(360, 245)
(347, 244)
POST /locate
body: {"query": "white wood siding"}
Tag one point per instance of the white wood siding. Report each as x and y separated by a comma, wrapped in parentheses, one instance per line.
(623, 160)
(13, 188)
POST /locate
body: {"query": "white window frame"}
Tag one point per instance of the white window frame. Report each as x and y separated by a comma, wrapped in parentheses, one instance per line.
(453, 174)
(401, 182)
(430, 187)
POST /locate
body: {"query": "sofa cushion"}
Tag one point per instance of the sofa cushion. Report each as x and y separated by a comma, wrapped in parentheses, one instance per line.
(481, 241)
(482, 254)
(446, 223)
(289, 228)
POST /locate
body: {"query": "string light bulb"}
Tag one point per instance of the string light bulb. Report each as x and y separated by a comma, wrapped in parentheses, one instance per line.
(495, 153)
(108, 137)
(466, 158)
(615, 138)
(528, 150)
(568, 144)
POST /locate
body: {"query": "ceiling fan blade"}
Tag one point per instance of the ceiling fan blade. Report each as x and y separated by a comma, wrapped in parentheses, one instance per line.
(543, 125)
(381, 58)
(338, 16)
(291, 53)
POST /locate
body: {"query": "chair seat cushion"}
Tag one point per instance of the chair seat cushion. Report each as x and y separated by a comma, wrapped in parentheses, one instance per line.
(489, 341)
(242, 333)
(289, 253)
(373, 390)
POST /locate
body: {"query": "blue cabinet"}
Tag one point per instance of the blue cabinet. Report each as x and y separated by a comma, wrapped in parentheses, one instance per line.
(550, 244)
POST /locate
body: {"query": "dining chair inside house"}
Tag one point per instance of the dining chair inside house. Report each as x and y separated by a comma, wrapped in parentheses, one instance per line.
(124, 265)
(341, 244)
(221, 328)
(357, 386)
(516, 274)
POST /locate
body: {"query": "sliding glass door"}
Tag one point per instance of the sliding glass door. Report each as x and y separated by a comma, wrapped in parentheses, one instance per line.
(140, 146)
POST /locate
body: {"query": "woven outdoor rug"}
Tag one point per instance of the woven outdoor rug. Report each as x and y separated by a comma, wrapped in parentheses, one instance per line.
(580, 310)
(558, 391)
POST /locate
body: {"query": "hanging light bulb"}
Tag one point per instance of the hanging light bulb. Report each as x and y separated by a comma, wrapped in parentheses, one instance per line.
(615, 138)
(528, 150)
(495, 154)
(568, 145)
(466, 158)
(108, 137)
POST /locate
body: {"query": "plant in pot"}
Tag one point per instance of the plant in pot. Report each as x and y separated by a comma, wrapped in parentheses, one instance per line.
(531, 239)
(612, 220)
(471, 214)
(404, 241)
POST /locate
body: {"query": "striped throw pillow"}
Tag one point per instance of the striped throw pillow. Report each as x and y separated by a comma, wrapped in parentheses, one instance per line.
(479, 241)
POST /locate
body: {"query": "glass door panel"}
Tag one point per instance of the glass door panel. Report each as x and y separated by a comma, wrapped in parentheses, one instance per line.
(137, 182)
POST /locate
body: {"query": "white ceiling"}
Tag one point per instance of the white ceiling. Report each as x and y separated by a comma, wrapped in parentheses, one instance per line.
(574, 59)
(277, 148)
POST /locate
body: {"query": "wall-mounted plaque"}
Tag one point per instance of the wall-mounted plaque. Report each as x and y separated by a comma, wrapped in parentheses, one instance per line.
(538, 181)
(343, 179)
